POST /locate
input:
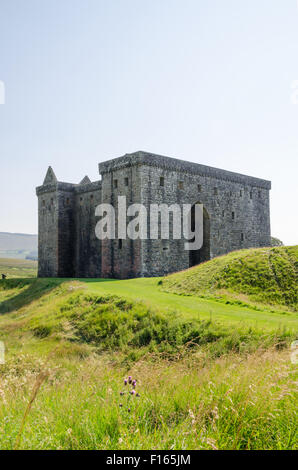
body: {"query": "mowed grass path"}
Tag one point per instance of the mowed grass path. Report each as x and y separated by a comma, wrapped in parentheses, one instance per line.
(148, 291)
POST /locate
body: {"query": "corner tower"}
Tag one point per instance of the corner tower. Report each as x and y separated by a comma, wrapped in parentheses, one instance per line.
(55, 227)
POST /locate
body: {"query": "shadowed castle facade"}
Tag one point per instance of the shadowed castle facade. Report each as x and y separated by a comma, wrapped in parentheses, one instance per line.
(236, 215)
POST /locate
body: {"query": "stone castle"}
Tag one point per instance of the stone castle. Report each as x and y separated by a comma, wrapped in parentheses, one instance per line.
(236, 215)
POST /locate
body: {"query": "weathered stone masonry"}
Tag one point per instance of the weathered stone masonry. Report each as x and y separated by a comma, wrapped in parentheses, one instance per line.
(236, 215)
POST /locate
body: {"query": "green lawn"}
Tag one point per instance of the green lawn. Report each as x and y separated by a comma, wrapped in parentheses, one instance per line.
(147, 290)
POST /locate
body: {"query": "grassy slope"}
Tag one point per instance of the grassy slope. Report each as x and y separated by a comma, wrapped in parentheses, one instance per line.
(192, 307)
(202, 385)
(265, 275)
(16, 268)
(224, 383)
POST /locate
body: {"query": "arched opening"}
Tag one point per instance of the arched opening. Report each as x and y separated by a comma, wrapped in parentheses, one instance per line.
(199, 256)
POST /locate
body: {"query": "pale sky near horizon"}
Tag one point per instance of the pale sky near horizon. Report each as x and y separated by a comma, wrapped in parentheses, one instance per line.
(205, 81)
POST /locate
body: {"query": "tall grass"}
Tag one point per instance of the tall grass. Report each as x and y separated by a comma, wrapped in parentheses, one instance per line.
(232, 402)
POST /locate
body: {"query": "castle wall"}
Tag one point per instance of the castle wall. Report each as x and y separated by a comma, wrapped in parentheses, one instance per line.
(48, 232)
(237, 215)
(56, 230)
(237, 206)
(87, 246)
(66, 230)
(121, 259)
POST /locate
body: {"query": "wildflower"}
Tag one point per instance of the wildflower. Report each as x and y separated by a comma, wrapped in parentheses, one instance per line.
(120, 404)
(121, 393)
(138, 395)
(132, 392)
(134, 382)
(128, 410)
(129, 379)
(125, 381)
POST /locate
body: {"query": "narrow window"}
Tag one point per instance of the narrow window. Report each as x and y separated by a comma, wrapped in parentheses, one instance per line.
(180, 185)
(242, 237)
(43, 203)
(81, 200)
(199, 188)
(115, 183)
(241, 193)
(231, 194)
(215, 191)
(120, 244)
(233, 215)
(91, 197)
(67, 201)
(162, 181)
(166, 245)
(223, 213)
(250, 194)
(52, 201)
(126, 181)
(259, 194)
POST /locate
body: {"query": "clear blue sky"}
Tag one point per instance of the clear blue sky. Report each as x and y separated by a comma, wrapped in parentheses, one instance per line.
(206, 81)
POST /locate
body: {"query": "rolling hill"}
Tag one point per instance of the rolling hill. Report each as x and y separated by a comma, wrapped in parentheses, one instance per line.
(18, 245)
(263, 275)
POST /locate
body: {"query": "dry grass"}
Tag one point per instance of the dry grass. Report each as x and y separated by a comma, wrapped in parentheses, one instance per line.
(233, 402)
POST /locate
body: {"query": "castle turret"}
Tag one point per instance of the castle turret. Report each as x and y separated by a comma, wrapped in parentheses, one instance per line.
(55, 227)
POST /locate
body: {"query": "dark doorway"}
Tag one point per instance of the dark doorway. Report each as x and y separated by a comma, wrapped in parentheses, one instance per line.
(199, 256)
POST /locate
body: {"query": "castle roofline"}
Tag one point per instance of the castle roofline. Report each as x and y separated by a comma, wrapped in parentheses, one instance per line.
(68, 187)
(169, 163)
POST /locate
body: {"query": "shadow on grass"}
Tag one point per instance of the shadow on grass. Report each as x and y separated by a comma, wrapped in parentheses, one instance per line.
(97, 279)
(25, 291)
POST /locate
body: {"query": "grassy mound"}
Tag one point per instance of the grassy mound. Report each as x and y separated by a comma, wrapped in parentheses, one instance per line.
(265, 275)
(53, 310)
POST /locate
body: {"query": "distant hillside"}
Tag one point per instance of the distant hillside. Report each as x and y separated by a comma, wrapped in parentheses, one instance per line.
(18, 245)
(267, 275)
(13, 268)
